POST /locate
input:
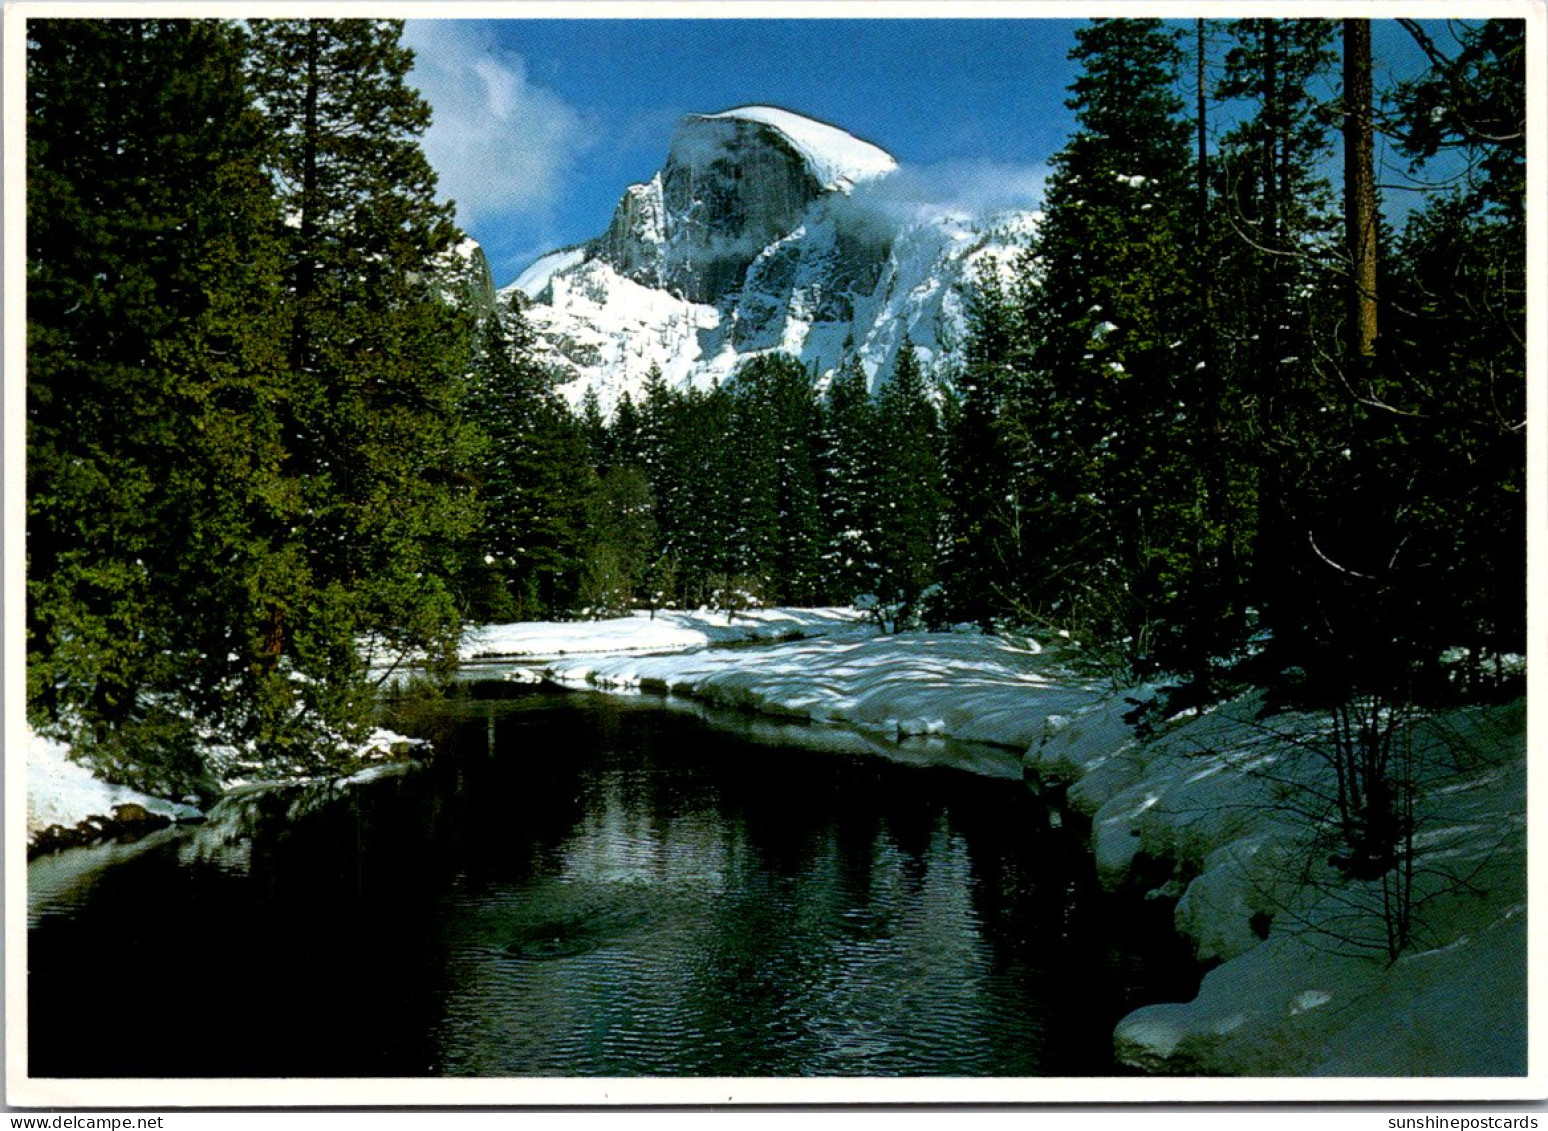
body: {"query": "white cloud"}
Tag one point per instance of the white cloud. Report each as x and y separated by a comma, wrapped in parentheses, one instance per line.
(501, 145)
(967, 184)
(969, 187)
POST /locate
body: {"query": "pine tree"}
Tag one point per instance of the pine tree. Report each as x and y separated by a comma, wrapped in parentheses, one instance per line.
(982, 559)
(536, 479)
(1473, 104)
(1420, 541)
(1455, 445)
(706, 466)
(647, 445)
(1275, 248)
(849, 491)
(380, 449)
(158, 509)
(665, 446)
(776, 543)
(620, 544)
(909, 480)
(1402, 468)
(599, 440)
(1109, 481)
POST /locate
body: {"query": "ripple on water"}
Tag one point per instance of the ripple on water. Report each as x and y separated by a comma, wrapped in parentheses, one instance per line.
(612, 890)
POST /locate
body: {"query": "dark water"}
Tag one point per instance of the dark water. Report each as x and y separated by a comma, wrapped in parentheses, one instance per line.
(583, 885)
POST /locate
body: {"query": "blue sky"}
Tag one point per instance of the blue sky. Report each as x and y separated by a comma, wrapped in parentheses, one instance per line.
(540, 124)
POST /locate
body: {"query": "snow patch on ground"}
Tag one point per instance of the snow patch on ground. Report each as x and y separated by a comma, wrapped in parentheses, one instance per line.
(974, 688)
(839, 670)
(62, 792)
(1304, 984)
(667, 630)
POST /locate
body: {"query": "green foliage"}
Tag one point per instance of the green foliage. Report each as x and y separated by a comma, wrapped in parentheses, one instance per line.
(1474, 103)
(594, 428)
(1274, 260)
(757, 492)
(381, 450)
(1406, 553)
(1158, 441)
(620, 548)
(775, 524)
(1418, 518)
(691, 464)
(848, 462)
(246, 451)
(984, 532)
(535, 482)
(1273, 191)
(154, 452)
(909, 481)
(1101, 410)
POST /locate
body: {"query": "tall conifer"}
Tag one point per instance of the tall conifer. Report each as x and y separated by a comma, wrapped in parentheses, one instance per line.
(983, 545)
(158, 513)
(1274, 247)
(848, 461)
(534, 477)
(909, 480)
(1111, 486)
(380, 446)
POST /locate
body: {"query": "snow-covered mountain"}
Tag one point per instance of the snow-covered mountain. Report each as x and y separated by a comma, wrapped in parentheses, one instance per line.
(763, 231)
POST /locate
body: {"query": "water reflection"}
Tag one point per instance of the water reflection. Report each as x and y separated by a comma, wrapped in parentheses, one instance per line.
(735, 911)
(585, 885)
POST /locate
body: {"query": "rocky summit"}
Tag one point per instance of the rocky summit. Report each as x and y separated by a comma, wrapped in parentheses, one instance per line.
(763, 231)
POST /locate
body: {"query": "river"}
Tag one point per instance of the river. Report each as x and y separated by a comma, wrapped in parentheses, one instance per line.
(590, 885)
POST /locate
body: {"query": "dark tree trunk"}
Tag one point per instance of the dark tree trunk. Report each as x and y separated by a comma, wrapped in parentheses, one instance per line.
(1360, 188)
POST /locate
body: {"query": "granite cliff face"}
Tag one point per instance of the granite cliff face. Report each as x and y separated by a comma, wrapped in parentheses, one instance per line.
(466, 280)
(763, 231)
(730, 187)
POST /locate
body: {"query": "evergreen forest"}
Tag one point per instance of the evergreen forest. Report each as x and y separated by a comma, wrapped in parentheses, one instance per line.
(1219, 424)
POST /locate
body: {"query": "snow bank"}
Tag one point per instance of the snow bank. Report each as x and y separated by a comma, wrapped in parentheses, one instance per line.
(1289, 1007)
(62, 792)
(668, 630)
(974, 688)
(920, 699)
(65, 793)
(1220, 802)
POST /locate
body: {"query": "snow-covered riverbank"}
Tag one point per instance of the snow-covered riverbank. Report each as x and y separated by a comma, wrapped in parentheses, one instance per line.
(64, 793)
(975, 688)
(65, 796)
(1221, 810)
(1207, 811)
(69, 805)
(667, 630)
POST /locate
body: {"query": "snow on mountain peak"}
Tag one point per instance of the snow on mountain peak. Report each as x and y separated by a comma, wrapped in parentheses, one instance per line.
(837, 159)
(761, 234)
